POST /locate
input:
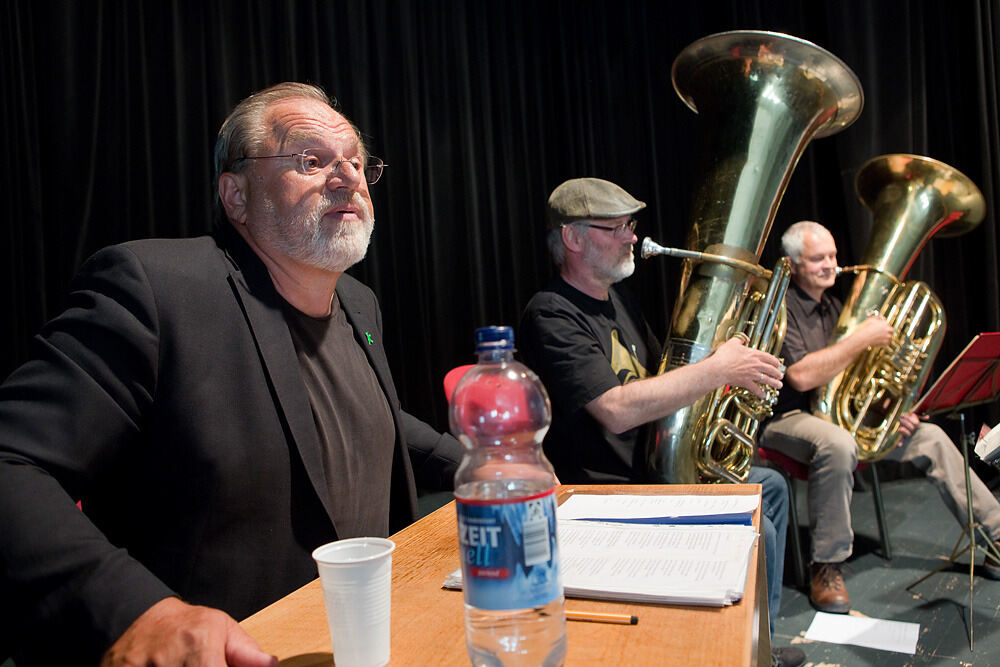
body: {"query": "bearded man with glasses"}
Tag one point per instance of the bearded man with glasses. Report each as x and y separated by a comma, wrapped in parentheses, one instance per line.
(585, 337)
(221, 406)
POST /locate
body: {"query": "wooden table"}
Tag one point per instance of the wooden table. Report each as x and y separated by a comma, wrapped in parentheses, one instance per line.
(428, 626)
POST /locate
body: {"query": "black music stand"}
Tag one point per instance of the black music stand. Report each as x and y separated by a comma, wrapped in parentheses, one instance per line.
(972, 378)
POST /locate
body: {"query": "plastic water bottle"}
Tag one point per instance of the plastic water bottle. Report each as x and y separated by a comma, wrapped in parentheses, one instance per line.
(505, 497)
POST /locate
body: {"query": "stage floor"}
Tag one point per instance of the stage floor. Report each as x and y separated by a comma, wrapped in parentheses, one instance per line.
(922, 534)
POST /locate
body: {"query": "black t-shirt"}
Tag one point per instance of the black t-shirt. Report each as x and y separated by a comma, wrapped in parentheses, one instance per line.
(810, 325)
(581, 347)
(352, 417)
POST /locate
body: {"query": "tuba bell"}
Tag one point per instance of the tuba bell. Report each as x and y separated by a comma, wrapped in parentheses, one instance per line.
(762, 97)
(912, 198)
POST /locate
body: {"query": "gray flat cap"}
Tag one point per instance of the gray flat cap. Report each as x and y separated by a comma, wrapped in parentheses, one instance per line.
(589, 199)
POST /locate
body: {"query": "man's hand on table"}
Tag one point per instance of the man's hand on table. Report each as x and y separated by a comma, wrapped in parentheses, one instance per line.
(172, 632)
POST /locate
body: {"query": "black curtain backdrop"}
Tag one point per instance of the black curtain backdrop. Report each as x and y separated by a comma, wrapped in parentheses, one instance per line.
(480, 108)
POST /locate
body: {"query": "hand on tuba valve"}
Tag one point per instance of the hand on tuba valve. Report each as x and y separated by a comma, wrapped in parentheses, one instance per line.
(752, 370)
(874, 331)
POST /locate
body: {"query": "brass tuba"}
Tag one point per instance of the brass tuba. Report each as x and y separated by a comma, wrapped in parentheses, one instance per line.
(912, 198)
(762, 97)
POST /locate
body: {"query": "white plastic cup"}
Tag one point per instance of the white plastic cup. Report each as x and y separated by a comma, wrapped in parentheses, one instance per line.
(356, 575)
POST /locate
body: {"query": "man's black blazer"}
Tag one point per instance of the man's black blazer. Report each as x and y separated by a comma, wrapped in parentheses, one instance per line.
(167, 397)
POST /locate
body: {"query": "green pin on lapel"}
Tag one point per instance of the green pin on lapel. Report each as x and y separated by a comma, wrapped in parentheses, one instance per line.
(368, 337)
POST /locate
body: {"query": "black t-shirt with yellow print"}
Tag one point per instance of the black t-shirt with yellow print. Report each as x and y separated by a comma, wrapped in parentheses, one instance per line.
(581, 347)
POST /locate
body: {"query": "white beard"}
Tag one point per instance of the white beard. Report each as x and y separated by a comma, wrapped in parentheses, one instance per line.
(607, 272)
(324, 246)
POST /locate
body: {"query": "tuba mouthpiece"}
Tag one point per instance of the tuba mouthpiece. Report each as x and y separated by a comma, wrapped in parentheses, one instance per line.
(649, 248)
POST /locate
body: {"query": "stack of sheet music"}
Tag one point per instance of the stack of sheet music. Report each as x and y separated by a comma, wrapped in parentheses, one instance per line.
(988, 447)
(668, 549)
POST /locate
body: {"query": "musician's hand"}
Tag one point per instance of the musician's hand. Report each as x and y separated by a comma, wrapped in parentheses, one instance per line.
(749, 368)
(908, 424)
(874, 331)
(172, 632)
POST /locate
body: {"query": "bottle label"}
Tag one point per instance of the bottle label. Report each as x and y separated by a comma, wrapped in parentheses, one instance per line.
(509, 551)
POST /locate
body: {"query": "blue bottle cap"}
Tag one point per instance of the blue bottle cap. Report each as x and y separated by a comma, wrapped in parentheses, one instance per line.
(494, 338)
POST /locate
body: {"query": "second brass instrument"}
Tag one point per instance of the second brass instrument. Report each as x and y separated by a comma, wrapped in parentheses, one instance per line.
(762, 97)
(912, 198)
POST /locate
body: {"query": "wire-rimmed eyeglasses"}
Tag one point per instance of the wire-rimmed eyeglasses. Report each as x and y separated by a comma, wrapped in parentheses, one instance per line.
(314, 160)
(621, 231)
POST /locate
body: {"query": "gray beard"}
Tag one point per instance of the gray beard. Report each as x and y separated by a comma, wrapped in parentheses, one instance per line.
(327, 247)
(609, 274)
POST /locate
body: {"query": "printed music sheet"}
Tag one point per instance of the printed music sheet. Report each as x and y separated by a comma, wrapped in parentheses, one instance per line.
(691, 550)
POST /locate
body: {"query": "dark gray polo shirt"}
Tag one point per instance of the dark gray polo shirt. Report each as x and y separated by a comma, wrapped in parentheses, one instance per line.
(810, 325)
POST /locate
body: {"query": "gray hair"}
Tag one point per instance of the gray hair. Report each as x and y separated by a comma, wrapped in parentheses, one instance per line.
(556, 248)
(244, 131)
(794, 237)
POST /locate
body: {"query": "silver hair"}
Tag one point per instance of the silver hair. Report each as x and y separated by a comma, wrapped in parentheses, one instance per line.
(793, 239)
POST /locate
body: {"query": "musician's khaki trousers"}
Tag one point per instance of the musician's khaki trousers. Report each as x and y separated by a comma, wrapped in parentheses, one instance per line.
(831, 454)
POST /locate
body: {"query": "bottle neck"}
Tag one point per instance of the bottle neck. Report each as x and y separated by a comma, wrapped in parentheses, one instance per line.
(495, 356)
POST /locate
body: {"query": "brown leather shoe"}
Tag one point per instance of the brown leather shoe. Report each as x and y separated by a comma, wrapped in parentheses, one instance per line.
(827, 591)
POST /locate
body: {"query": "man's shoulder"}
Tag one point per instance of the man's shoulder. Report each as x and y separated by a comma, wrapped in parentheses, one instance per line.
(169, 245)
(555, 296)
(550, 313)
(197, 251)
(157, 258)
(545, 300)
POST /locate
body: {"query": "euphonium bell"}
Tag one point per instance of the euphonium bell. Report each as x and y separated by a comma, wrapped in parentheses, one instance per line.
(762, 97)
(912, 198)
